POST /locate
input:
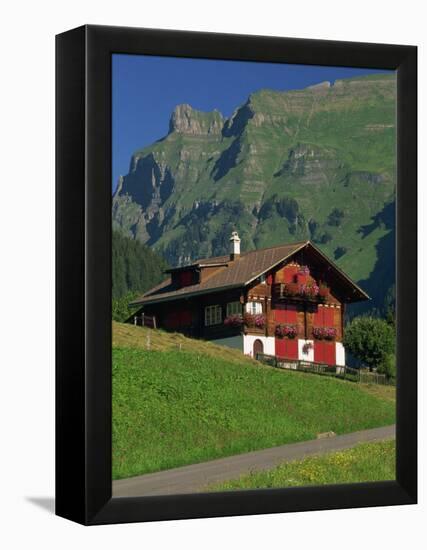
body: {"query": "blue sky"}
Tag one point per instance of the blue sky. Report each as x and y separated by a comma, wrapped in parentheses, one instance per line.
(146, 90)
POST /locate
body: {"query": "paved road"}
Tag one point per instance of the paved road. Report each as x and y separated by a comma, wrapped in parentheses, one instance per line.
(193, 478)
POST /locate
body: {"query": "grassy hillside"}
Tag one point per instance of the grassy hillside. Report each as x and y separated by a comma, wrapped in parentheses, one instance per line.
(142, 338)
(363, 463)
(181, 404)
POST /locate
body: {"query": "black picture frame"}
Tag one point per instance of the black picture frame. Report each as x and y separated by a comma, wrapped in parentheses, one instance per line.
(83, 273)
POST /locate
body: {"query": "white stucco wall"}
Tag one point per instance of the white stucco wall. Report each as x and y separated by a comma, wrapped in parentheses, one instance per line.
(248, 344)
(305, 356)
(339, 354)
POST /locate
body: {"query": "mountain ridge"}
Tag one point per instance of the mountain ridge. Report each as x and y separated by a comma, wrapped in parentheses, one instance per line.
(275, 170)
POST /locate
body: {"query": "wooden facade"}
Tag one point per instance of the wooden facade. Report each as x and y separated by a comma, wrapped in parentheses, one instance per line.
(294, 309)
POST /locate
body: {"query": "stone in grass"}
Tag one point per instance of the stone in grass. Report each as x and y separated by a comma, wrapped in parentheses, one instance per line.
(325, 435)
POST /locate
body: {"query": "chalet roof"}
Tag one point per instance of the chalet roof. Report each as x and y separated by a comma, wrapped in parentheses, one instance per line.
(217, 261)
(239, 273)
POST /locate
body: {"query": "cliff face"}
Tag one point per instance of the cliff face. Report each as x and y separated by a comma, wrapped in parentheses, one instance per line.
(320, 149)
(185, 120)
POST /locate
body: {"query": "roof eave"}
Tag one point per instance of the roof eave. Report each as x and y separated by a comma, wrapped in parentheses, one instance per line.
(185, 295)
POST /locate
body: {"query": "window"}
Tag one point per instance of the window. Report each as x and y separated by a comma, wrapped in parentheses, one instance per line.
(262, 279)
(213, 315)
(254, 307)
(234, 308)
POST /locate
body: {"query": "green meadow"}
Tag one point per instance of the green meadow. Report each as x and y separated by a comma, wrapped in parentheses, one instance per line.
(363, 463)
(179, 401)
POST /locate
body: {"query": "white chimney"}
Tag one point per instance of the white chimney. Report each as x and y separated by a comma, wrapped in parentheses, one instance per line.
(235, 246)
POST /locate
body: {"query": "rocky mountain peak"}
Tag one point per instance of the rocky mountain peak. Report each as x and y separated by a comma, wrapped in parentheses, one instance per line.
(189, 121)
(238, 120)
(275, 171)
(320, 86)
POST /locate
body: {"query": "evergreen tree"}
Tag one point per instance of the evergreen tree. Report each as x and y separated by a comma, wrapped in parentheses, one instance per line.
(135, 269)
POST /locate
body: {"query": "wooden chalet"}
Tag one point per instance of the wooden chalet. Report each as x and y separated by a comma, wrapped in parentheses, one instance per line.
(288, 301)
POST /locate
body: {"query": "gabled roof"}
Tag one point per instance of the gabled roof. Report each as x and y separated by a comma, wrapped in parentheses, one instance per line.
(218, 261)
(241, 272)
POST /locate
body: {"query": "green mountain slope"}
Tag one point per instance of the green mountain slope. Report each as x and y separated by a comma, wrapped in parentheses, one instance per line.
(317, 163)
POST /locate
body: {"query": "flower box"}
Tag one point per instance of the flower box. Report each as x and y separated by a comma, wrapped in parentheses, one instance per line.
(324, 333)
(286, 331)
(324, 291)
(260, 320)
(254, 321)
(302, 278)
(290, 289)
(309, 290)
(235, 320)
(330, 333)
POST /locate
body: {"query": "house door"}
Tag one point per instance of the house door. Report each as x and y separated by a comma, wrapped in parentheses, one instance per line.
(258, 347)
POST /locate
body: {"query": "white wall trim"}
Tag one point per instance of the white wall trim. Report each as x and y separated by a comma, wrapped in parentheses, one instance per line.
(339, 354)
(268, 342)
(305, 356)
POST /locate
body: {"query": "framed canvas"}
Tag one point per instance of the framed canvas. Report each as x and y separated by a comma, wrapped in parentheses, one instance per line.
(268, 227)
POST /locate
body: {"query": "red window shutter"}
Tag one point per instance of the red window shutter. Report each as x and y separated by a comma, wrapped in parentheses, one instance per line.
(287, 348)
(291, 314)
(319, 351)
(329, 353)
(324, 352)
(318, 317)
(280, 347)
(292, 349)
(324, 317)
(270, 279)
(328, 316)
(286, 314)
(280, 315)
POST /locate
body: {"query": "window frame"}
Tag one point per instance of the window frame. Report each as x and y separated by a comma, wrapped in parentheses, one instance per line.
(234, 311)
(249, 309)
(213, 314)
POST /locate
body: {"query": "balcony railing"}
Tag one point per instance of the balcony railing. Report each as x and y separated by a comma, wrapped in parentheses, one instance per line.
(281, 291)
